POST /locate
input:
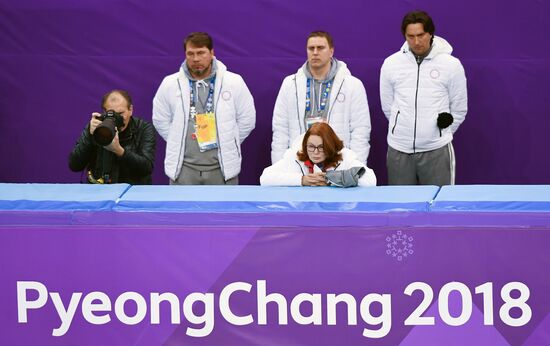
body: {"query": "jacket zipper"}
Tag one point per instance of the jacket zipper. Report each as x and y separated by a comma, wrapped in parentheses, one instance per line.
(220, 156)
(185, 119)
(237, 147)
(395, 124)
(418, 61)
(299, 165)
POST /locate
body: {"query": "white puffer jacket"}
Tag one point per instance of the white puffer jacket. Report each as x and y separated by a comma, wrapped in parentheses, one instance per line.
(412, 96)
(289, 170)
(235, 119)
(348, 113)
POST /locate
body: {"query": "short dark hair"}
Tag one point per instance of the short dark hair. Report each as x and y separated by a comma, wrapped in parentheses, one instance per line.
(416, 17)
(121, 92)
(324, 34)
(199, 39)
(332, 145)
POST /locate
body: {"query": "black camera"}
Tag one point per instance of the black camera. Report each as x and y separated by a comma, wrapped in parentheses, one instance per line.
(106, 131)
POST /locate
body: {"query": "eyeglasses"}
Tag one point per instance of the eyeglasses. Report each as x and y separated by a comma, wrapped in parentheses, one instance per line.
(311, 148)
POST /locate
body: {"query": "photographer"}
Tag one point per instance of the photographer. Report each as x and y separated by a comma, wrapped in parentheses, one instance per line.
(126, 158)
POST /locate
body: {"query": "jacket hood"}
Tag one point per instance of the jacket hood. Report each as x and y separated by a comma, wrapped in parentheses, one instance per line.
(439, 46)
(216, 66)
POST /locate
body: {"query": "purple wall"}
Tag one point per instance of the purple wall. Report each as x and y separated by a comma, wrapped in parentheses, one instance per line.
(59, 57)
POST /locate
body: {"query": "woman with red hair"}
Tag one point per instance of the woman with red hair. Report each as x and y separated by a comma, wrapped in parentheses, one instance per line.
(322, 160)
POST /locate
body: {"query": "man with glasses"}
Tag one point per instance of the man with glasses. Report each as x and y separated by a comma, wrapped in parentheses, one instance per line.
(322, 90)
(423, 95)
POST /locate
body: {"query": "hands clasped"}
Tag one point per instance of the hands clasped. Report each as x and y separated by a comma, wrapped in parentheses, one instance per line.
(314, 179)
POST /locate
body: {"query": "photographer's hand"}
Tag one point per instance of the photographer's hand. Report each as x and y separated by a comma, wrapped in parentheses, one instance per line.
(115, 146)
(94, 122)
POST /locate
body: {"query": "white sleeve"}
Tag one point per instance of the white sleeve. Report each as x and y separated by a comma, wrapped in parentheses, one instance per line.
(285, 172)
(162, 110)
(386, 91)
(360, 125)
(280, 123)
(368, 179)
(245, 110)
(458, 97)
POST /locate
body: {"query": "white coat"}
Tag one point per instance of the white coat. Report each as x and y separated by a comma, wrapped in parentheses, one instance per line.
(289, 170)
(235, 119)
(413, 95)
(348, 113)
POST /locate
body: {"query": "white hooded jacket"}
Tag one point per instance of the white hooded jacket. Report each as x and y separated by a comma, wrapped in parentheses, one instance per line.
(348, 113)
(235, 119)
(413, 95)
(289, 170)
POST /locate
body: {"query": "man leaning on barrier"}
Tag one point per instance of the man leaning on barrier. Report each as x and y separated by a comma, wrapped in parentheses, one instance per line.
(115, 147)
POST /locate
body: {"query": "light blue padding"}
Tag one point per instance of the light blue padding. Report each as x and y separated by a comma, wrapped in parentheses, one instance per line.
(493, 198)
(60, 197)
(274, 199)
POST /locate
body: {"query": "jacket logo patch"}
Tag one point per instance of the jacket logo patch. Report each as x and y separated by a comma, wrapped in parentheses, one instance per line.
(226, 95)
(341, 97)
(434, 74)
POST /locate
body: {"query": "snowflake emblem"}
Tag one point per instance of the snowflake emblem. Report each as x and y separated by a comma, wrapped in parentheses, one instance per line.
(399, 245)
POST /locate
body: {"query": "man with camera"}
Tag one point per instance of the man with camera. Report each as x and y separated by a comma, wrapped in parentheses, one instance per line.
(424, 97)
(115, 147)
(204, 112)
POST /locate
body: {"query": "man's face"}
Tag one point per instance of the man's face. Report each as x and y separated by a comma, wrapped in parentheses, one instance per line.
(319, 53)
(119, 104)
(199, 60)
(417, 38)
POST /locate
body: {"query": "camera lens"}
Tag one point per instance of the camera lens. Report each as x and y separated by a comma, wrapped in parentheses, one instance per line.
(105, 132)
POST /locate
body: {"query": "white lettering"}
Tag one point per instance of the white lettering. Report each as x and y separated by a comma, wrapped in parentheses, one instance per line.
(207, 318)
(315, 301)
(156, 299)
(385, 315)
(66, 316)
(333, 300)
(23, 304)
(263, 299)
(225, 309)
(89, 307)
(141, 308)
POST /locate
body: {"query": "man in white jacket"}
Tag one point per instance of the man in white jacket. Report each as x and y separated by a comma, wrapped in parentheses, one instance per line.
(424, 97)
(204, 113)
(322, 90)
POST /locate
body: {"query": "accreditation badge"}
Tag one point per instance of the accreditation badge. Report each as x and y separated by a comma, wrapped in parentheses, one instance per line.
(205, 130)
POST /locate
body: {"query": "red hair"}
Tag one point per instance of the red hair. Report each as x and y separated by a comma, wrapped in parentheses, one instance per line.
(332, 145)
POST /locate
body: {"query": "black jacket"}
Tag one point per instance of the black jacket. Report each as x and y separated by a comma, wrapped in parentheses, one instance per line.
(134, 167)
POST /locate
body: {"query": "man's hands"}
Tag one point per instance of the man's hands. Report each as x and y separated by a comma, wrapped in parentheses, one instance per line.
(94, 122)
(314, 179)
(114, 146)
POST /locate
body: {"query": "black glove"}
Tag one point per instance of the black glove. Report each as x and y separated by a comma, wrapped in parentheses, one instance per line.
(444, 120)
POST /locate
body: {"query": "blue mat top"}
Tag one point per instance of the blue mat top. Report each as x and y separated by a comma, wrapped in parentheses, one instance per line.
(267, 199)
(485, 198)
(60, 197)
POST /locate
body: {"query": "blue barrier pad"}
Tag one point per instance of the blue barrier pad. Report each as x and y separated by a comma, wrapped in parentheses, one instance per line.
(60, 197)
(274, 199)
(494, 198)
